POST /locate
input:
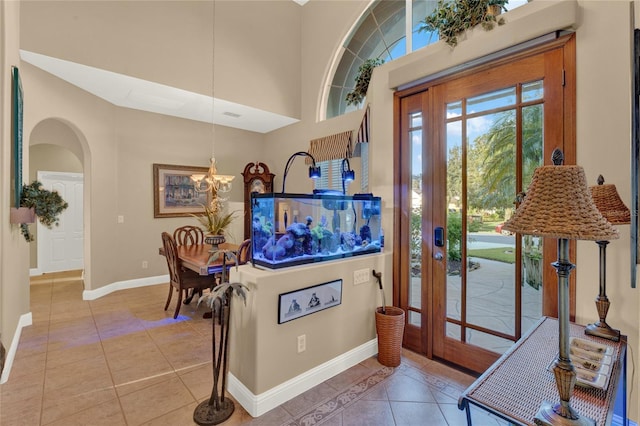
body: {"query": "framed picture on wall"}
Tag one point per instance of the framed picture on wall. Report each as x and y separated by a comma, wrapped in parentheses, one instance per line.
(16, 136)
(175, 193)
(299, 303)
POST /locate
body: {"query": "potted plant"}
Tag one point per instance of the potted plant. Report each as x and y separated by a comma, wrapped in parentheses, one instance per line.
(451, 18)
(47, 206)
(215, 222)
(363, 77)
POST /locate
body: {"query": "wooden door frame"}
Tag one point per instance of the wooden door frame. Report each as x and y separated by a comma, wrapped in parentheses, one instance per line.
(568, 134)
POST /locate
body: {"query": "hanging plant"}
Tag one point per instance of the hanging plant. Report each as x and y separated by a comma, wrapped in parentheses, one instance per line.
(365, 70)
(47, 205)
(451, 18)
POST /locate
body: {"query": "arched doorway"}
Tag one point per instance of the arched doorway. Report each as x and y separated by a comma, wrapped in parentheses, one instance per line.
(57, 152)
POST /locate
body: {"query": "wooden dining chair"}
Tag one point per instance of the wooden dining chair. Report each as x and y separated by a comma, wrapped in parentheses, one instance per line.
(188, 235)
(180, 278)
(244, 252)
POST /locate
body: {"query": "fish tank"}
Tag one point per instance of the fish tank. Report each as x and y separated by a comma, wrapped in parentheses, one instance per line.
(296, 229)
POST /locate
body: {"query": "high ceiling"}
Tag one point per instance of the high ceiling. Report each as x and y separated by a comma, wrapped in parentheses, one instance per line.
(135, 93)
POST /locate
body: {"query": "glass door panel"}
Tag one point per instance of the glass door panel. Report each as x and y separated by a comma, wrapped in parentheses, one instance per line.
(415, 238)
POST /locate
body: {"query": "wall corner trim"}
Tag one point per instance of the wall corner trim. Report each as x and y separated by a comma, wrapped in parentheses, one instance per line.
(123, 285)
(24, 321)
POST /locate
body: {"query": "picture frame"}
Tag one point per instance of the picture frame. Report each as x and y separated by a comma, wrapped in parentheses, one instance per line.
(17, 99)
(635, 158)
(174, 192)
(299, 303)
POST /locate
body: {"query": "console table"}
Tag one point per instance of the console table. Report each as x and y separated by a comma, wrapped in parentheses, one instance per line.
(515, 386)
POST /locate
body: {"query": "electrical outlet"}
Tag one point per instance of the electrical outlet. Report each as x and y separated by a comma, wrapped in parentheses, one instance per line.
(145, 264)
(302, 343)
(120, 219)
(361, 276)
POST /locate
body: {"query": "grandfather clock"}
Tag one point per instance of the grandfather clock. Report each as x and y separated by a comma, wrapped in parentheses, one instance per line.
(257, 178)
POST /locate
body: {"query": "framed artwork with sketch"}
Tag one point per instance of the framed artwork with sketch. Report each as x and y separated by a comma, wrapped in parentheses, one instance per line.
(175, 193)
(309, 300)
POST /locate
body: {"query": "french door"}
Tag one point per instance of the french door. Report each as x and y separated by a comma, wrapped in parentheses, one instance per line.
(466, 150)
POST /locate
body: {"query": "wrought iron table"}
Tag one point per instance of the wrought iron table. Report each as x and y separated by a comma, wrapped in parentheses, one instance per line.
(515, 386)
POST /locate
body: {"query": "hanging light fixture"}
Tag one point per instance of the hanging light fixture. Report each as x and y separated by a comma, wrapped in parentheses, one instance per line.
(212, 181)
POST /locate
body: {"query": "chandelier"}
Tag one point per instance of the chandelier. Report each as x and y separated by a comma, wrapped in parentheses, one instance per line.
(212, 181)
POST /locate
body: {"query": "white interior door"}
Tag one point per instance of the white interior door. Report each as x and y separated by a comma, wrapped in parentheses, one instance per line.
(61, 248)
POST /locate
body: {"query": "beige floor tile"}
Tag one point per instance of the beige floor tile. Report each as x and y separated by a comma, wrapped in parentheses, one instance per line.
(83, 375)
(199, 380)
(131, 386)
(130, 365)
(154, 401)
(183, 416)
(69, 401)
(29, 364)
(74, 354)
(22, 388)
(135, 339)
(25, 413)
(106, 414)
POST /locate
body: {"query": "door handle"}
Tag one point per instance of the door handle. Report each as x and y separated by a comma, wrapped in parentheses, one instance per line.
(438, 256)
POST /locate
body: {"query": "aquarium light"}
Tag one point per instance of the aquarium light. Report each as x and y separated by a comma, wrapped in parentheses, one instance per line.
(314, 171)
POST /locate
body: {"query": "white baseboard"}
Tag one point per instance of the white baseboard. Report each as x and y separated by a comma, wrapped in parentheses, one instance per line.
(256, 405)
(123, 285)
(34, 272)
(24, 321)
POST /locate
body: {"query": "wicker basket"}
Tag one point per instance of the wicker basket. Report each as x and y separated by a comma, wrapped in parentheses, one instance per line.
(390, 328)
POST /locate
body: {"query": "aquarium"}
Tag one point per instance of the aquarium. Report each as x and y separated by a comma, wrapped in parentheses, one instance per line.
(294, 229)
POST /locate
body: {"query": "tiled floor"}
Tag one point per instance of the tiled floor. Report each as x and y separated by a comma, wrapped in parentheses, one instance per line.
(122, 360)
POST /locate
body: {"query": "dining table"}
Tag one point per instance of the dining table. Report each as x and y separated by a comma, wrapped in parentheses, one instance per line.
(202, 259)
(205, 260)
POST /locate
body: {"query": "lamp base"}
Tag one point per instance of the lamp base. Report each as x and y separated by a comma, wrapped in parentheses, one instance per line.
(547, 416)
(602, 329)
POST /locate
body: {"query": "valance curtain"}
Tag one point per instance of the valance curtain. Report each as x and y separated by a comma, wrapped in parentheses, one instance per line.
(334, 147)
(363, 133)
(339, 145)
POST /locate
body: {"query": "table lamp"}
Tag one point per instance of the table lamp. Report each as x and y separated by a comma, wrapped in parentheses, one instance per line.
(608, 201)
(558, 204)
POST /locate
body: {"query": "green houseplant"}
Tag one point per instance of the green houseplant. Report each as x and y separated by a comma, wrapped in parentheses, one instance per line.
(48, 205)
(215, 221)
(451, 18)
(362, 79)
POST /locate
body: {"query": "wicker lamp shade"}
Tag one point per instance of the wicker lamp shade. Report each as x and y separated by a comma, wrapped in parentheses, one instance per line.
(607, 200)
(558, 204)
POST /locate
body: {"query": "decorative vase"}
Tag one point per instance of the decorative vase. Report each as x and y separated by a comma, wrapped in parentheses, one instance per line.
(390, 329)
(214, 240)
